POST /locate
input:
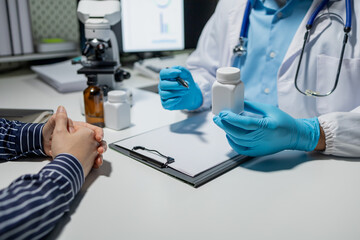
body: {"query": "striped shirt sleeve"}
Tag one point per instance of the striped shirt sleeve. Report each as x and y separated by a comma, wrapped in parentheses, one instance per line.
(32, 204)
(20, 139)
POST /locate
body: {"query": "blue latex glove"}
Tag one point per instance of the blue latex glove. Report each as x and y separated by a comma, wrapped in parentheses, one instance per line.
(274, 132)
(175, 96)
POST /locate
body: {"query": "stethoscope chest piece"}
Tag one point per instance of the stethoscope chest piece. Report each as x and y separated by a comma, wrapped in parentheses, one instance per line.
(240, 48)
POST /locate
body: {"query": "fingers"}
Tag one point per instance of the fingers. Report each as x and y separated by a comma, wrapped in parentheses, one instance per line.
(171, 104)
(171, 84)
(99, 145)
(185, 73)
(50, 124)
(98, 162)
(174, 72)
(102, 147)
(244, 122)
(169, 73)
(87, 153)
(61, 119)
(101, 150)
(237, 148)
(247, 151)
(228, 127)
(71, 128)
(172, 94)
(47, 133)
(243, 137)
(246, 140)
(99, 133)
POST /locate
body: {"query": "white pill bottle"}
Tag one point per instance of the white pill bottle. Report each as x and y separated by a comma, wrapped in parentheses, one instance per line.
(228, 91)
(117, 110)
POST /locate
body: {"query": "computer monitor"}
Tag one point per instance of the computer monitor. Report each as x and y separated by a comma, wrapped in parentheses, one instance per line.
(152, 25)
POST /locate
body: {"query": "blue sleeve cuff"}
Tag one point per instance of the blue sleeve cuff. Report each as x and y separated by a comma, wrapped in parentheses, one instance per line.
(68, 166)
(31, 139)
(28, 139)
(20, 139)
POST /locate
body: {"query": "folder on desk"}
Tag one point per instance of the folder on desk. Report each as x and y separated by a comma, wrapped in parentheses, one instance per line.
(26, 115)
(194, 150)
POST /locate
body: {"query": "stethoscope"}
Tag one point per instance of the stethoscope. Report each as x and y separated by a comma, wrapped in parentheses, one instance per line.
(240, 49)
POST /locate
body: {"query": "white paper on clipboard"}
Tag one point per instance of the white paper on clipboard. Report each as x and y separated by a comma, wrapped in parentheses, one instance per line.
(196, 144)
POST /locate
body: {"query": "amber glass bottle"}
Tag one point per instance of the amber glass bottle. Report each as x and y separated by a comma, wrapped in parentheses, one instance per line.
(94, 102)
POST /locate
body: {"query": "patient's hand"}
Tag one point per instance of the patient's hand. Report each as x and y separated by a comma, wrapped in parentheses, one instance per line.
(80, 142)
(99, 134)
(72, 127)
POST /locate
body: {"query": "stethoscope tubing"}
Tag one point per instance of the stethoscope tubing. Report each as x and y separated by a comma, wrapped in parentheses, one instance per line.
(313, 16)
(310, 22)
(348, 16)
(347, 28)
(246, 19)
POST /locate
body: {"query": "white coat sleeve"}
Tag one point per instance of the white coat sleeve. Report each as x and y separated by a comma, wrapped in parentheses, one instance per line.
(342, 133)
(205, 60)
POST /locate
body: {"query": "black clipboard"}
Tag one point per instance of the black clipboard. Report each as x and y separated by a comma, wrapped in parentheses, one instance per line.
(196, 181)
(176, 132)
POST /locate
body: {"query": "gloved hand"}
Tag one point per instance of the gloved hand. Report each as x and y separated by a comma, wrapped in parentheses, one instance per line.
(175, 96)
(274, 132)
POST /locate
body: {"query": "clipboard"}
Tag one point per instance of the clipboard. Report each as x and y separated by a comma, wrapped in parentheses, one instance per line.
(194, 150)
(26, 115)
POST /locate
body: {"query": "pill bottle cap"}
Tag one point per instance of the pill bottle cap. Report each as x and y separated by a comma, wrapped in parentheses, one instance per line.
(228, 75)
(117, 96)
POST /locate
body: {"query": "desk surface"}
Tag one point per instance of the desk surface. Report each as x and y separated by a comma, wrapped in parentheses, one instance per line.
(290, 195)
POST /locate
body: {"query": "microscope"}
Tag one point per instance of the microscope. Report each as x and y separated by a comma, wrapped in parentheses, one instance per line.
(101, 54)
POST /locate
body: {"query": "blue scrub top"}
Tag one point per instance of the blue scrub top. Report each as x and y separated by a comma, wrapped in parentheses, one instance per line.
(271, 30)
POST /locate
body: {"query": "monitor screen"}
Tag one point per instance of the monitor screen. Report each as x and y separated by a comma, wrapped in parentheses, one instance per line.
(152, 25)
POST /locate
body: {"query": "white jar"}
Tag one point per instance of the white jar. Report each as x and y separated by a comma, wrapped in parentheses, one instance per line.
(228, 91)
(117, 110)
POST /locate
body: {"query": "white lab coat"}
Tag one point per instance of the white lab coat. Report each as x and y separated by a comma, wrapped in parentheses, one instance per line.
(339, 113)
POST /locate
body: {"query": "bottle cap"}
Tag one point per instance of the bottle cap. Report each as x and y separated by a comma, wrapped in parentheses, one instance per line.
(117, 96)
(228, 75)
(91, 79)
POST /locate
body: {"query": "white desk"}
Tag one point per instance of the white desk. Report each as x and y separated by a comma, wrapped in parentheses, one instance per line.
(290, 195)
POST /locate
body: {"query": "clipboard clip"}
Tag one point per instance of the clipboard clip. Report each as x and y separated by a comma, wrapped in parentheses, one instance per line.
(169, 160)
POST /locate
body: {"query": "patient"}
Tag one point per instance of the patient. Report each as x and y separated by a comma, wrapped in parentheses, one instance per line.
(33, 203)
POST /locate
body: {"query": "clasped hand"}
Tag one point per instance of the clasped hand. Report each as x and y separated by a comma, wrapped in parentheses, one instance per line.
(80, 139)
(273, 132)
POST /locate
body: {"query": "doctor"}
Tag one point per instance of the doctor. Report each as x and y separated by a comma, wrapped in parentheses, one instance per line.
(274, 37)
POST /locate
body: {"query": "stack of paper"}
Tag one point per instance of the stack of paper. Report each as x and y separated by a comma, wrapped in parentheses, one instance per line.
(62, 76)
